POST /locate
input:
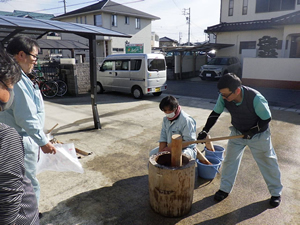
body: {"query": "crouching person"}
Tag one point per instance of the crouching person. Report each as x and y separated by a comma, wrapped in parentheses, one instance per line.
(176, 121)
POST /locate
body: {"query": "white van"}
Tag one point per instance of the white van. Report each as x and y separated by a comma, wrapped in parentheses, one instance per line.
(138, 74)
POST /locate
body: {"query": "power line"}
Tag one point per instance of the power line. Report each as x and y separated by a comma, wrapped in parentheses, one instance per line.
(62, 6)
(59, 7)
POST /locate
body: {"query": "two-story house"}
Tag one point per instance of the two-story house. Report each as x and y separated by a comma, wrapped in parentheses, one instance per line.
(117, 17)
(244, 22)
(167, 42)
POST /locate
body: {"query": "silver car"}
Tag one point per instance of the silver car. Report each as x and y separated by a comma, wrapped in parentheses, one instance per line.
(219, 66)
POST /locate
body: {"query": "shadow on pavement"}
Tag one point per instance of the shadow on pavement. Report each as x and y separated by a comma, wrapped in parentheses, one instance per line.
(126, 202)
(239, 215)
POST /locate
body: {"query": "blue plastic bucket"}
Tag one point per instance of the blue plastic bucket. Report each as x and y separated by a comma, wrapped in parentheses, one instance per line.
(208, 171)
(219, 152)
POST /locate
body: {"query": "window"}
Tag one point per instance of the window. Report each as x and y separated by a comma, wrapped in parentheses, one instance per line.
(122, 64)
(156, 64)
(114, 20)
(230, 10)
(85, 21)
(247, 45)
(118, 49)
(98, 20)
(107, 65)
(135, 64)
(126, 19)
(137, 23)
(219, 61)
(245, 7)
(275, 5)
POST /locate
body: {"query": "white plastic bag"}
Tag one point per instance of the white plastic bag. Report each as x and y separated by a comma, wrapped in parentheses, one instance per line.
(65, 159)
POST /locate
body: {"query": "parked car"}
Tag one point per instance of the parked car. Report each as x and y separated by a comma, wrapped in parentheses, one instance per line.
(138, 74)
(219, 66)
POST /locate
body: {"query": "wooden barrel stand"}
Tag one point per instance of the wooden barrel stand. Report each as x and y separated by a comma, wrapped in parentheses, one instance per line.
(171, 189)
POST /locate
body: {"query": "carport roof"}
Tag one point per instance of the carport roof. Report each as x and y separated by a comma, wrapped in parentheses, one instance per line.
(205, 47)
(61, 44)
(10, 26)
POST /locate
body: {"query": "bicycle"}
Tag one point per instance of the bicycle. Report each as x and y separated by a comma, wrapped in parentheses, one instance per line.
(62, 86)
(48, 88)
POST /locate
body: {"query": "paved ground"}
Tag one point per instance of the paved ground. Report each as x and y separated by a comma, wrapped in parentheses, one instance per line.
(114, 186)
(207, 89)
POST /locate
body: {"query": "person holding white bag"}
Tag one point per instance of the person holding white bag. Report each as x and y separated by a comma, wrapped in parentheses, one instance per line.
(27, 113)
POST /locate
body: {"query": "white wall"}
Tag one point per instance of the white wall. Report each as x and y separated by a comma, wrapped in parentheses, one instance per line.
(249, 53)
(238, 36)
(284, 69)
(251, 15)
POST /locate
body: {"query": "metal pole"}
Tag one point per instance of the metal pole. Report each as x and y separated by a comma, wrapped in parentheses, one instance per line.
(65, 7)
(93, 78)
(188, 19)
(189, 33)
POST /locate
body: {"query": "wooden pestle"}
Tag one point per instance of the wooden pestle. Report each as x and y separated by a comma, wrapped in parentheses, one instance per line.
(209, 145)
(176, 149)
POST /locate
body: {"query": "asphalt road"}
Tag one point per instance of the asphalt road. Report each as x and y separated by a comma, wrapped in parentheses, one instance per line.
(195, 87)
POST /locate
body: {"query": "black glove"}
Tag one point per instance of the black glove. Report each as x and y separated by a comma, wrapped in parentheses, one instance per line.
(250, 133)
(202, 135)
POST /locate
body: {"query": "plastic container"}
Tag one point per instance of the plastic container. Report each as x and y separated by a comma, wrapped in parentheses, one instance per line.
(219, 152)
(208, 172)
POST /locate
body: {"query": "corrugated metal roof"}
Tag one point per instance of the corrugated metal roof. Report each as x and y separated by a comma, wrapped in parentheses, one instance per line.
(205, 47)
(19, 13)
(61, 44)
(10, 26)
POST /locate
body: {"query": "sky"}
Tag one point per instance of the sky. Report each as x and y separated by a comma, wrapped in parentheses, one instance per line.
(173, 23)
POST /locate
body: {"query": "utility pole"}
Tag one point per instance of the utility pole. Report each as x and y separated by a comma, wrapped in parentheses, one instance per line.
(65, 7)
(188, 21)
(180, 36)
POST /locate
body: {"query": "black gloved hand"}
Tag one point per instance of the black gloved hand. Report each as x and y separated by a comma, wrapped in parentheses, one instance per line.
(250, 133)
(202, 135)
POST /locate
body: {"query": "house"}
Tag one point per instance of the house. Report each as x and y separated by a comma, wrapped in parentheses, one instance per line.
(116, 17)
(167, 42)
(154, 40)
(243, 23)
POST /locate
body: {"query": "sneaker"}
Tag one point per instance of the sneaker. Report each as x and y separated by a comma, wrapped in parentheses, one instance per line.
(220, 195)
(275, 201)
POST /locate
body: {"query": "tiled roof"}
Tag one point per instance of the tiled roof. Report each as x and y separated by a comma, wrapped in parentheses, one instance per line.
(238, 26)
(111, 7)
(291, 18)
(167, 39)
